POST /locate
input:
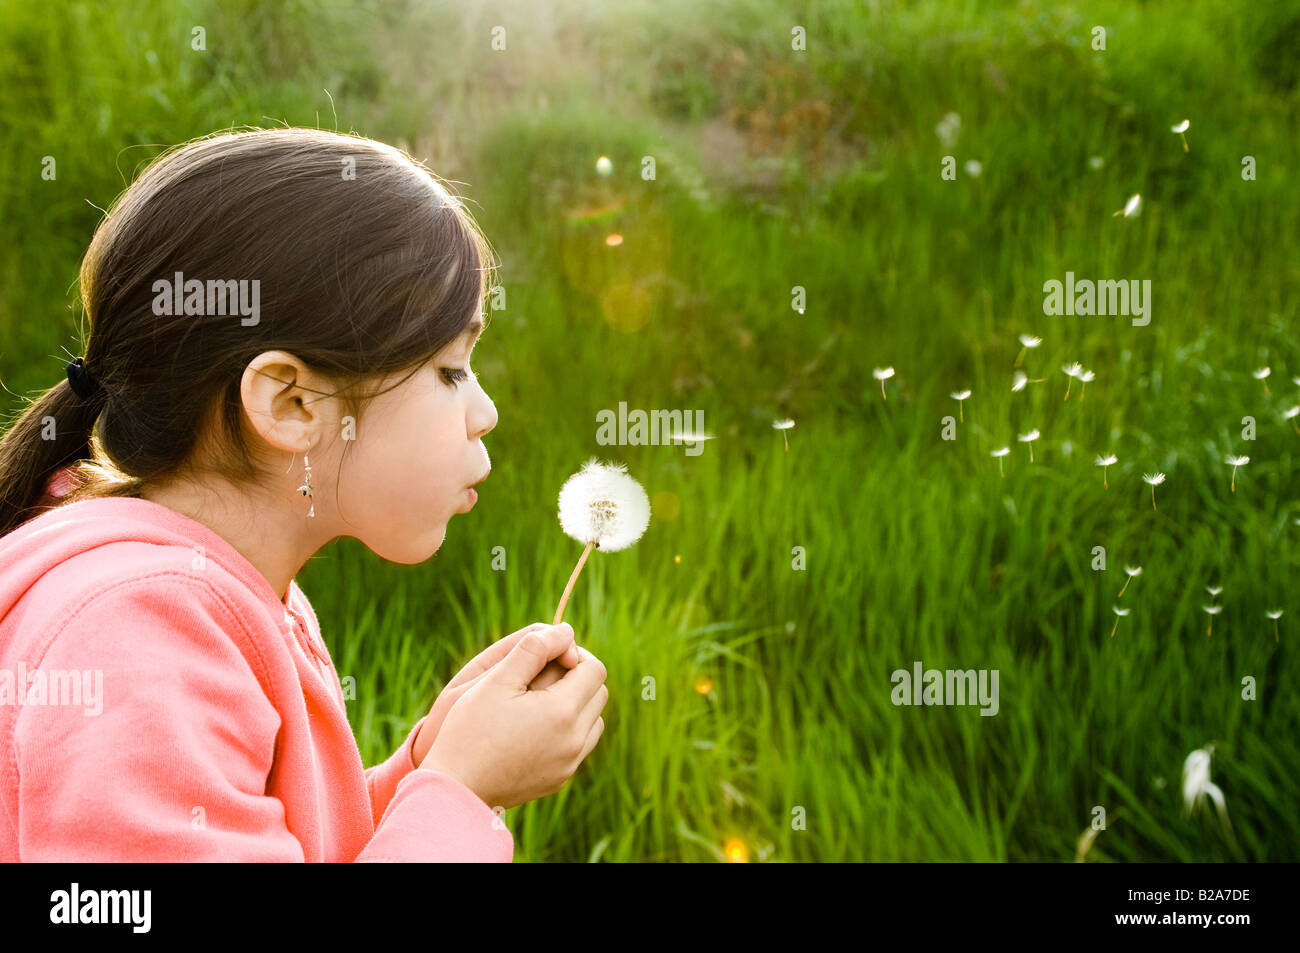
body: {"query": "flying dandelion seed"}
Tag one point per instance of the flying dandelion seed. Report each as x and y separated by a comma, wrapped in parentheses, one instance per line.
(783, 426)
(1212, 611)
(604, 167)
(1105, 462)
(1261, 375)
(1029, 438)
(1020, 379)
(1274, 614)
(1154, 480)
(1028, 342)
(960, 396)
(1083, 379)
(1000, 453)
(1096, 162)
(883, 374)
(1133, 573)
(603, 507)
(1235, 462)
(1181, 128)
(973, 168)
(948, 128)
(1131, 208)
(1197, 786)
(1119, 614)
(1071, 371)
(1291, 415)
(1214, 590)
(690, 436)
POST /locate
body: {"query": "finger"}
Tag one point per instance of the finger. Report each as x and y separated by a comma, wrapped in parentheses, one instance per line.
(593, 709)
(493, 654)
(581, 682)
(593, 736)
(531, 654)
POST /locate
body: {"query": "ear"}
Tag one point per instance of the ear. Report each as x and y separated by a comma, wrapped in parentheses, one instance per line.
(284, 401)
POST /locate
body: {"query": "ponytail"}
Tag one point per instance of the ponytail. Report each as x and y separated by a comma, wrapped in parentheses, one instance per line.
(55, 430)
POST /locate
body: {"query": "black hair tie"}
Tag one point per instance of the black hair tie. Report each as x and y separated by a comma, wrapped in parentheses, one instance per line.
(83, 385)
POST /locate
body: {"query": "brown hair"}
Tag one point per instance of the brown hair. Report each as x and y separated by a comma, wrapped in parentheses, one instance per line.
(367, 266)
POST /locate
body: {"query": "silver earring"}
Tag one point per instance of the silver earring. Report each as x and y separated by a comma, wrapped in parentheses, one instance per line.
(305, 489)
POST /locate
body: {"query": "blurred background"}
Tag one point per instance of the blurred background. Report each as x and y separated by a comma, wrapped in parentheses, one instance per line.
(776, 224)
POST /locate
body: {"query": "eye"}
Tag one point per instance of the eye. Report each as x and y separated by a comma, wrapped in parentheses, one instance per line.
(455, 375)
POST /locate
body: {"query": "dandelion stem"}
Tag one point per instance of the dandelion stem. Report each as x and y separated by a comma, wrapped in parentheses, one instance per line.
(1114, 627)
(1275, 637)
(1000, 471)
(1126, 582)
(564, 599)
(787, 441)
(882, 390)
(1067, 388)
(1153, 497)
(1105, 483)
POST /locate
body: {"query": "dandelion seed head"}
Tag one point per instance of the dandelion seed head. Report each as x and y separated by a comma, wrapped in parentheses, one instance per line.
(1182, 126)
(1000, 452)
(1072, 370)
(1213, 610)
(1118, 611)
(1293, 412)
(1133, 570)
(1028, 437)
(1030, 340)
(1133, 206)
(782, 424)
(1021, 379)
(960, 394)
(1214, 590)
(602, 504)
(1155, 479)
(1107, 460)
(1273, 613)
(1087, 376)
(1262, 373)
(882, 373)
(1238, 461)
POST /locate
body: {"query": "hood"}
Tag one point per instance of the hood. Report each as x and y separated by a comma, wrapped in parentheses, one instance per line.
(62, 534)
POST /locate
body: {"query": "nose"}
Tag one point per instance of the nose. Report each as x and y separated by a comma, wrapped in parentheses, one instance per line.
(483, 418)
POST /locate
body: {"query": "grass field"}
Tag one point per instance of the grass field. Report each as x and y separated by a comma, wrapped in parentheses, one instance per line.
(821, 169)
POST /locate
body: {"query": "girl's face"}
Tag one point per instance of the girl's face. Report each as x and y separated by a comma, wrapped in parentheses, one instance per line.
(417, 450)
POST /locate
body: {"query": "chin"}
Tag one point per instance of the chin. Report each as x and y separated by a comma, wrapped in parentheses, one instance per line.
(410, 551)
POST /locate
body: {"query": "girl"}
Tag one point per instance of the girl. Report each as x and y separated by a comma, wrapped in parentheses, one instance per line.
(280, 329)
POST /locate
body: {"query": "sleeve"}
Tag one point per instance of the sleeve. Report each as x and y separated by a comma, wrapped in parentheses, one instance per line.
(383, 778)
(173, 764)
(434, 818)
(428, 816)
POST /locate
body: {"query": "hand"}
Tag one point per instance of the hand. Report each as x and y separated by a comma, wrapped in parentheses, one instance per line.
(482, 663)
(510, 745)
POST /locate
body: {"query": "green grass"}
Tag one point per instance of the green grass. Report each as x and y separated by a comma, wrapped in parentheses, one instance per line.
(916, 548)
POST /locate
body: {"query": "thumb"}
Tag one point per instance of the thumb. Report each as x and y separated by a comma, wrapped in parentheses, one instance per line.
(531, 654)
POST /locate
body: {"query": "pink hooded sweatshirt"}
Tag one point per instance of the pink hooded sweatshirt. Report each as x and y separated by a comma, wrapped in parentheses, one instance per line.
(159, 702)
